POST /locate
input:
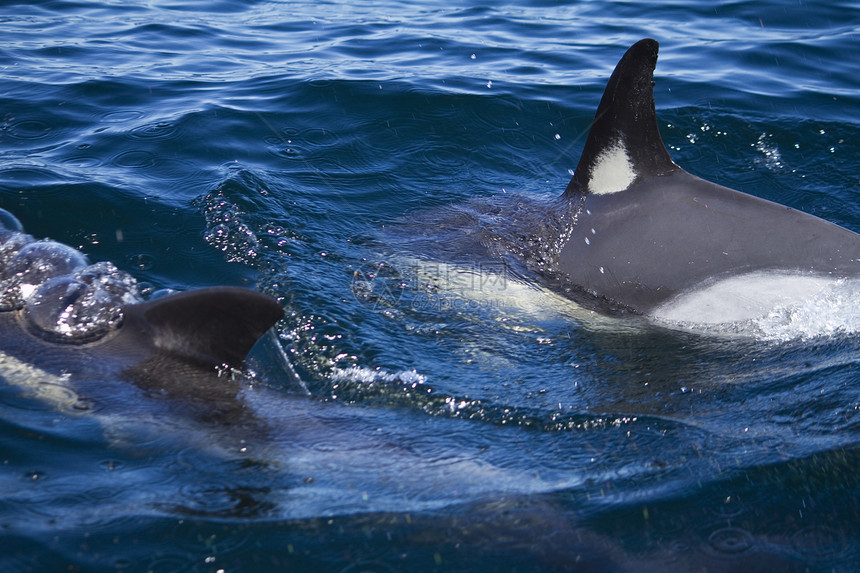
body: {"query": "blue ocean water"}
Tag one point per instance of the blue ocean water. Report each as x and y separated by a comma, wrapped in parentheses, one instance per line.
(343, 157)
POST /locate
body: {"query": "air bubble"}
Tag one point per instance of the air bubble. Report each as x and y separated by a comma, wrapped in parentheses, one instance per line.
(9, 222)
(82, 306)
(34, 264)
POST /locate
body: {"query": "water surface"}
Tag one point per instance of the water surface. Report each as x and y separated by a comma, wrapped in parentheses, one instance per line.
(343, 158)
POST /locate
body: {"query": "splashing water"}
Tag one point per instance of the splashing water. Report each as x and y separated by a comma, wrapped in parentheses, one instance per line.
(832, 311)
(769, 307)
(62, 296)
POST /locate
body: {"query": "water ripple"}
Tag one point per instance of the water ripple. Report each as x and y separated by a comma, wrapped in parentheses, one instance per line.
(731, 540)
(28, 129)
(154, 130)
(819, 541)
(135, 158)
(122, 115)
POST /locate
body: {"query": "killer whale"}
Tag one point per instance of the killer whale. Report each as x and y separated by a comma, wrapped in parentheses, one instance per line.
(81, 322)
(171, 374)
(651, 238)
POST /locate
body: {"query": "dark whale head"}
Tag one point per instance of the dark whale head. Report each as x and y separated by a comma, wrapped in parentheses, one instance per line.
(649, 237)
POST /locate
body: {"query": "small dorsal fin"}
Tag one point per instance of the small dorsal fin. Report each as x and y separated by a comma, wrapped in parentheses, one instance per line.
(214, 326)
(624, 141)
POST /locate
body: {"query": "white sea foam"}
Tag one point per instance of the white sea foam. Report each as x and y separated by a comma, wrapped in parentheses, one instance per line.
(363, 374)
(835, 310)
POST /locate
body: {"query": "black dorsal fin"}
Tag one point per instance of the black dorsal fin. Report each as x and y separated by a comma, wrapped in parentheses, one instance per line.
(625, 123)
(213, 326)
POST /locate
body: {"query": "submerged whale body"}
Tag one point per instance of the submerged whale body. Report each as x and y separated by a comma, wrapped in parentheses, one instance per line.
(649, 237)
(87, 321)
